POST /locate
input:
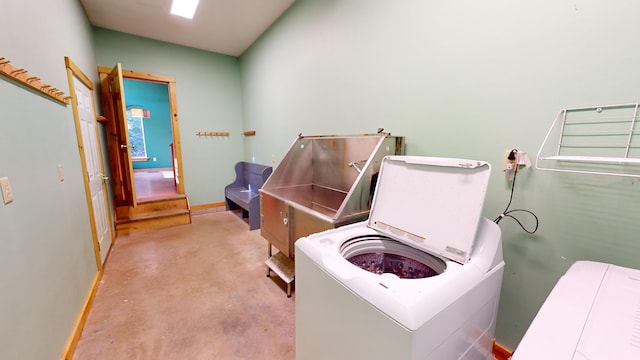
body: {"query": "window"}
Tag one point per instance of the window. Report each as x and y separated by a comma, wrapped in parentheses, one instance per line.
(136, 137)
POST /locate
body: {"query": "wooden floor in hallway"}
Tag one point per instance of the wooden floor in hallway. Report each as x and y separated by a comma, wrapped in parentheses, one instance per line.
(154, 183)
(195, 291)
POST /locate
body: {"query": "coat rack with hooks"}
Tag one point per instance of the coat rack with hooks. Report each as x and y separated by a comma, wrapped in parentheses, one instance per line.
(23, 77)
(212, 133)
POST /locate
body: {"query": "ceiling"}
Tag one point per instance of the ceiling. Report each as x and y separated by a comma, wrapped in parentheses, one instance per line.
(222, 26)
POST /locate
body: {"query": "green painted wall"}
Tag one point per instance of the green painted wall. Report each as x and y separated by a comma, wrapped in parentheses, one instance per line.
(209, 99)
(157, 127)
(461, 78)
(47, 261)
(464, 79)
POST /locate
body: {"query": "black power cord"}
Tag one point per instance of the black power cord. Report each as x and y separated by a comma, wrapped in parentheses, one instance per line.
(507, 212)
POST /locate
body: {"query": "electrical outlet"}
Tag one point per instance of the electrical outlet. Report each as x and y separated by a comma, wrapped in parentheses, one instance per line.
(7, 194)
(510, 164)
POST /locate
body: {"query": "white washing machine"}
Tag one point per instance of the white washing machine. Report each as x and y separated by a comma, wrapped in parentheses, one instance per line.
(420, 279)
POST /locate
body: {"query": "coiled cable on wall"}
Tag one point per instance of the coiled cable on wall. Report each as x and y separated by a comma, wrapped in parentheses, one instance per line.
(508, 213)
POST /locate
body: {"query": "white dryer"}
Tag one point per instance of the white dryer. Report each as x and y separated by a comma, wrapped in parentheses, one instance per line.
(420, 279)
(592, 313)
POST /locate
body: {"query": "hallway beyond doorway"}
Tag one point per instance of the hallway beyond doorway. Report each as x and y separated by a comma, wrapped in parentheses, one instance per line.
(154, 183)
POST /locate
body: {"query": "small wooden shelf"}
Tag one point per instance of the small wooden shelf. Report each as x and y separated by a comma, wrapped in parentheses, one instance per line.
(249, 133)
(23, 77)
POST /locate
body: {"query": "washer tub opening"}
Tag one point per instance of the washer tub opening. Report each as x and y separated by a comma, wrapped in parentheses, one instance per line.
(380, 254)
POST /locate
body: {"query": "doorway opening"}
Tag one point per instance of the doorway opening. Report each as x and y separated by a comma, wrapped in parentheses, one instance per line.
(144, 135)
(151, 136)
(161, 205)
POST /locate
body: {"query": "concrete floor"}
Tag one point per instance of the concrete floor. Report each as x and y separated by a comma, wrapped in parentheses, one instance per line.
(196, 291)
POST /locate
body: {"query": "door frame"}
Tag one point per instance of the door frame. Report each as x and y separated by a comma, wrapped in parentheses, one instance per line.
(170, 81)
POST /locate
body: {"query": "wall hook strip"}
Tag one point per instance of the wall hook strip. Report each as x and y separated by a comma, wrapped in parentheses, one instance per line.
(22, 76)
(212, 133)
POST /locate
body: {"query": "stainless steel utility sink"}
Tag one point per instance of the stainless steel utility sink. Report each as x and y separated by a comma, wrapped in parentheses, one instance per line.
(323, 182)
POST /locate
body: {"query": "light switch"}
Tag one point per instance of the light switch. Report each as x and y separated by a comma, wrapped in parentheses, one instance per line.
(60, 172)
(7, 194)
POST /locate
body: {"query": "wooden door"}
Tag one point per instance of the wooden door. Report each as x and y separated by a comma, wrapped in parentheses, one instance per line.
(81, 89)
(119, 145)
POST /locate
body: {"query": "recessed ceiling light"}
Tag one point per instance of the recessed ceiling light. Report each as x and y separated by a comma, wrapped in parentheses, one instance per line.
(184, 8)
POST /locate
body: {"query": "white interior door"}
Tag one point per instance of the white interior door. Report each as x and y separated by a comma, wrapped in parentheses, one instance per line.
(88, 125)
(87, 130)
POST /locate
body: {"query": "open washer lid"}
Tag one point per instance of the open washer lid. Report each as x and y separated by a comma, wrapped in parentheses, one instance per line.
(431, 203)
